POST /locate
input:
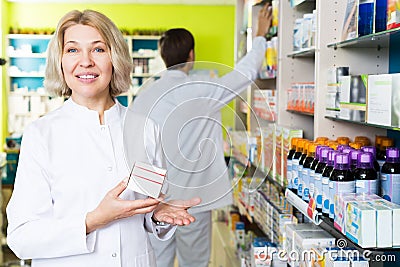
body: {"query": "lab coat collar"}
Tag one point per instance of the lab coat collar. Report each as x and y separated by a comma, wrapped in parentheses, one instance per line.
(82, 113)
(174, 74)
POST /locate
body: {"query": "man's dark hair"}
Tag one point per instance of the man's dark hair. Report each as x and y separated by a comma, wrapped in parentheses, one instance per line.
(175, 45)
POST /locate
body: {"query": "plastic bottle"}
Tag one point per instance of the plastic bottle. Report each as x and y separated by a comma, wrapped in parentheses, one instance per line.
(390, 176)
(333, 144)
(293, 143)
(341, 180)
(325, 181)
(372, 149)
(306, 171)
(378, 142)
(295, 164)
(313, 167)
(323, 159)
(365, 175)
(300, 168)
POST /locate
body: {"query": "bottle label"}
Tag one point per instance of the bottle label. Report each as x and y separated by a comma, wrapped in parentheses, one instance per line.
(306, 184)
(367, 186)
(289, 174)
(325, 194)
(300, 175)
(335, 188)
(390, 187)
(295, 175)
(318, 190)
(311, 183)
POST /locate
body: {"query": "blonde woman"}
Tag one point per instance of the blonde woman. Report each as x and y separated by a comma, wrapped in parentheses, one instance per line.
(70, 205)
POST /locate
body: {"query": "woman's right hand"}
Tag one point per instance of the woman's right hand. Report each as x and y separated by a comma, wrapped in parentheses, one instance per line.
(112, 208)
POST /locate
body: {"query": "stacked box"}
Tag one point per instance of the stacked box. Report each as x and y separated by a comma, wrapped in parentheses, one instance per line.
(332, 106)
(353, 94)
(278, 155)
(361, 224)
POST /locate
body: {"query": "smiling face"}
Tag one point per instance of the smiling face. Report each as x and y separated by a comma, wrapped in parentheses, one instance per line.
(86, 64)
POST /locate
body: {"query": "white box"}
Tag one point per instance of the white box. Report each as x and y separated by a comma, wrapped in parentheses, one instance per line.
(395, 220)
(383, 225)
(383, 101)
(361, 224)
(146, 179)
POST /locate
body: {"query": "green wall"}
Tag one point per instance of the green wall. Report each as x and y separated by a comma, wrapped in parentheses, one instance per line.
(3, 96)
(212, 26)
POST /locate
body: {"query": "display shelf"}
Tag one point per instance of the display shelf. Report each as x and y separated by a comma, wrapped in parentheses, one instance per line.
(310, 52)
(364, 123)
(305, 208)
(379, 40)
(260, 172)
(243, 211)
(296, 3)
(300, 112)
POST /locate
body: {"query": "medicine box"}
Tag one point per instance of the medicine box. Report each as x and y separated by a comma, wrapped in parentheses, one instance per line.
(146, 179)
(383, 225)
(383, 99)
(361, 224)
(393, 14)
(353, 93)
(395, 220)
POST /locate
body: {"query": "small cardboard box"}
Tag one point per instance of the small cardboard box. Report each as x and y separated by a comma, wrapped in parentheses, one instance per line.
(361, 224)
(146, 179)
(353, 93)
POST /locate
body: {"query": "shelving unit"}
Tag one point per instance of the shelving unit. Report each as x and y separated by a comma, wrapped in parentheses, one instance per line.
(372, 54)
(27, 58)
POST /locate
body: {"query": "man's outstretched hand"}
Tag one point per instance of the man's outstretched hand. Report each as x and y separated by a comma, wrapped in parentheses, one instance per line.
(175, 211)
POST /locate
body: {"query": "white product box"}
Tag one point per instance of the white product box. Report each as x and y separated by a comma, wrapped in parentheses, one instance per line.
(353, 93)
(383, 99)
(395, 220)
(146, 179)
(306, 240)
(383, 225)
(361, 224)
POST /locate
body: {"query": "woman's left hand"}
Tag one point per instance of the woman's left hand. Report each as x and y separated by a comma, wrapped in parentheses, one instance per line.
(175, 211)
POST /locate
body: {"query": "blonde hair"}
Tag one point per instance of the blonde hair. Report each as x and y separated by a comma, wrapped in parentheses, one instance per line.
(54, 81)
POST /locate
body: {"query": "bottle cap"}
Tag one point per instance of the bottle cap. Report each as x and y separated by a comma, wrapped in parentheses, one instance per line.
(365, 158)
(354, 154)
(293, 142)
(387, 142)
(341, 147)
(343, 140)
(357, 145)
(331, 156)
(370, 149)
(392, 152)
(347, 150)
(300, 145)
(363, 139)
(342, 161)
(318, 151)
(323, 154)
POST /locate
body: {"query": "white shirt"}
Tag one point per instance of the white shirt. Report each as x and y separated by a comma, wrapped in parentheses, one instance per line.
(188, 111)
(67, 164)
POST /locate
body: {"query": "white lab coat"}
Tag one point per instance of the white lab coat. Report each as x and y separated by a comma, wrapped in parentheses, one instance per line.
(188, 111)
(68, 162)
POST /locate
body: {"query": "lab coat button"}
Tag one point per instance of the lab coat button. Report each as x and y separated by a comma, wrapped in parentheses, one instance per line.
(114, 255)
(103, 128)
(109, 169)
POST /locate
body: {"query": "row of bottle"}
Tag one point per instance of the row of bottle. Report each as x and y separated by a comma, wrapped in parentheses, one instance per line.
(319, 170)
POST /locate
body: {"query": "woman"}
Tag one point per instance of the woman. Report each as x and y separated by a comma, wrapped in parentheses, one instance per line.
(69, 206)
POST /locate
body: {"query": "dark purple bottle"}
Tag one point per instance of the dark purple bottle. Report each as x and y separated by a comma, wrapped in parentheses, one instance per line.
(323, 159)
(365, 175)
(372, 149)
(340, 181)
(390, 176)
(325, 181)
